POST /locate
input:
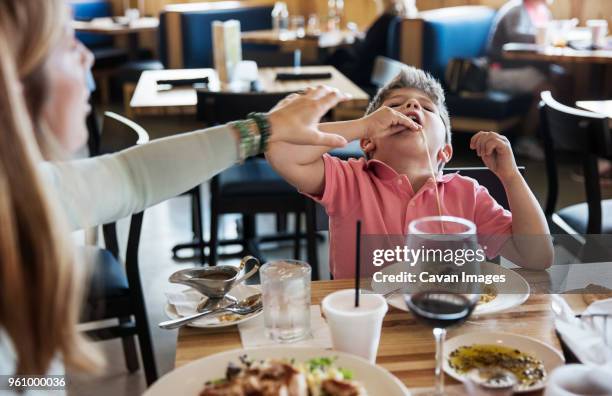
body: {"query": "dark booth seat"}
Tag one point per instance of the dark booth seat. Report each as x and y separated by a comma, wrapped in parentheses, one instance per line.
(247, 180)
(577, 217)
(108, 277)
(101, 45)
(492, 104)
(196, 32)
(436, 37)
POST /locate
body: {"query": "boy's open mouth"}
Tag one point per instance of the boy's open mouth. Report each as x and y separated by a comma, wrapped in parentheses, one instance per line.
(414, 116)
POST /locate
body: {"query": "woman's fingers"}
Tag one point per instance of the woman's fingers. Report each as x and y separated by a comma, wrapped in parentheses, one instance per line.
(330, 100)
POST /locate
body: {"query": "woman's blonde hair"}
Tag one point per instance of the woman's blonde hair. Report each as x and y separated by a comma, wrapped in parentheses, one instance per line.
(40, 285)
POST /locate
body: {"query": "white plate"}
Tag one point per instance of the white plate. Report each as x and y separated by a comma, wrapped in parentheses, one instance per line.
(212, 321)
(550, 357)
(189, 380)
(512, 293)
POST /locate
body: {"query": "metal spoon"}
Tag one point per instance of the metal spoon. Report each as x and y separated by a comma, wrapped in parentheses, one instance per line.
(248, 305)
(214, 303)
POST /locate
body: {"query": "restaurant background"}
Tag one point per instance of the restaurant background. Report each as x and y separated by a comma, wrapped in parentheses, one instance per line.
(363, 12)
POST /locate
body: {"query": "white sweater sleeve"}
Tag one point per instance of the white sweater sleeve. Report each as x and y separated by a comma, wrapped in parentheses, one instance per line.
(103, 189)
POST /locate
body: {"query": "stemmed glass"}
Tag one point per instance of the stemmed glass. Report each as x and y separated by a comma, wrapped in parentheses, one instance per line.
(447, 302)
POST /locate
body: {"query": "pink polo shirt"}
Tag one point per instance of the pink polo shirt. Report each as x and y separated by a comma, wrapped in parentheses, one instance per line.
(386, 203)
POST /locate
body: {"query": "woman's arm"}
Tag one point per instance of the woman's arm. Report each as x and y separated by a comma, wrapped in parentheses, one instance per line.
(103, 189)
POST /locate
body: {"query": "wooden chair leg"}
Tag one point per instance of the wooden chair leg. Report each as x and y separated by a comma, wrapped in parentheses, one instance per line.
(213, 246)
(129, 349)
(297, 240)
(281, 221)
(311, 232)
(144, 340)
(196, 222)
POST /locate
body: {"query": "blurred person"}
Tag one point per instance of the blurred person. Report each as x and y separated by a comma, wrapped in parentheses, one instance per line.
(516, 22)
(357, 61)
(43, 106)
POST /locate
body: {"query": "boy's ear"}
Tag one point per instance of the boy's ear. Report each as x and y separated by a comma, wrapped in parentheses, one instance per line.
(446, 153)
(367, 145)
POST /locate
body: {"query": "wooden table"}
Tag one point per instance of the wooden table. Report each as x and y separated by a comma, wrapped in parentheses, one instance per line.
(109, 26)
(597, 106)
(406, 346)
(148, 100)
(532, 53)
(289, 40)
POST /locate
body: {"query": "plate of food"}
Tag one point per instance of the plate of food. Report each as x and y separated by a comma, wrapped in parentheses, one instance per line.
(498, 297)
(279, 370)
(184, 302)
(528, 359)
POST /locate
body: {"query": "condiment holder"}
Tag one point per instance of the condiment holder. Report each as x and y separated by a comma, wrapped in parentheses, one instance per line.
(217, 281)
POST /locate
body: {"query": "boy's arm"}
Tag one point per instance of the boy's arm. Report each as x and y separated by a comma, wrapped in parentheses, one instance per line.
(302, 166)
(530, 245)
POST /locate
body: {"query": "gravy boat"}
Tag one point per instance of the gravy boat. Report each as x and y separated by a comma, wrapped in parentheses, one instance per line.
(217, 281)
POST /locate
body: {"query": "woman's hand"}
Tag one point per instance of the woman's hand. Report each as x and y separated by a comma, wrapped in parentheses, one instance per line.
(496, 153)
(295, 119)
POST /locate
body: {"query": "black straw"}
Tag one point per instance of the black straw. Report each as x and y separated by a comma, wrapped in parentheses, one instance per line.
(357, 266)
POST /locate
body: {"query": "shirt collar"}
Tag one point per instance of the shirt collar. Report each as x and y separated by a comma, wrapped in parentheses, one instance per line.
(386, 173)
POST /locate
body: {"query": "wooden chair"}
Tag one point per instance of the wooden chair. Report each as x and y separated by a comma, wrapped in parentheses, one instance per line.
(384, 70)
(115, 292)
(252, 187)
(584, 135)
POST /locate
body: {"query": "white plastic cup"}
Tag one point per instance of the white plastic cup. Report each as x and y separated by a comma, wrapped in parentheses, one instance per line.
(599, 32)
(355, 330)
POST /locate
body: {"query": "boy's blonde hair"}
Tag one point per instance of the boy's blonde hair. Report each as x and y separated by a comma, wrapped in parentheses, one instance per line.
(411, 77)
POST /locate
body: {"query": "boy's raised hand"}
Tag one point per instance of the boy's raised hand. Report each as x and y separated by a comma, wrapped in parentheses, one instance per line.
(496, 153)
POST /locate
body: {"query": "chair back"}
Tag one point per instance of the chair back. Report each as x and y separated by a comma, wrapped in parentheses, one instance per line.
(88, 10)
(222, 107)
(119, 133)
(482, 175)
(185, 33)
(583, 134)
(384, 70)
(453, 32)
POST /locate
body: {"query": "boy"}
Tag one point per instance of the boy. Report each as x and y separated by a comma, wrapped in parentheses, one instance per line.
(406, 126)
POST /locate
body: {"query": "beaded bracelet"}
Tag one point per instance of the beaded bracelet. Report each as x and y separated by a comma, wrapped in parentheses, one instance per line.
(250, 137)
(264, 129)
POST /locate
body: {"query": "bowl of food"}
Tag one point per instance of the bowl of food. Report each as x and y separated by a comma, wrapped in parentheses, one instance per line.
(528, 359)
(279, 370)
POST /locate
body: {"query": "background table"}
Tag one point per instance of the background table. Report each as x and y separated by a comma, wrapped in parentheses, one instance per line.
(182, 100)
(108, 26)
(289, 41)
(516, 51)
(406, 345)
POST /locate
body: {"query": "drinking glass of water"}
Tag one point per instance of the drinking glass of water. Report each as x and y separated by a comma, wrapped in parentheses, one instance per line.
(285, 286)
(447, 257)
